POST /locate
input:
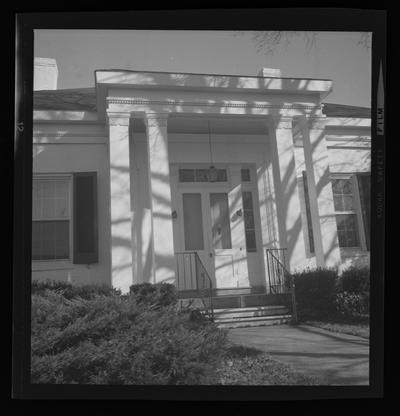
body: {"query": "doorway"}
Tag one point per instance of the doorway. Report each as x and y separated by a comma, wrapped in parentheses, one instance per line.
(210, 226)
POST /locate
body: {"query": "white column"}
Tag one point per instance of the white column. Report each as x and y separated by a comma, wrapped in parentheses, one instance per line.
(120, 201)
(160, 196)
(288, 206)
(320, 192)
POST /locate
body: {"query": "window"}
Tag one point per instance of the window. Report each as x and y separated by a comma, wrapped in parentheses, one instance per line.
(346, 216)
(201, 175)
(245, 173)
(54, 216)
(51, 219)
(249, 223)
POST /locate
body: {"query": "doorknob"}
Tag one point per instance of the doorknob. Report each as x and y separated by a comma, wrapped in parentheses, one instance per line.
(210, 254)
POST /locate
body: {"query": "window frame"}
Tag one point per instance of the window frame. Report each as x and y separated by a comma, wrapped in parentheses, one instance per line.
(57, 176)
(362, 245)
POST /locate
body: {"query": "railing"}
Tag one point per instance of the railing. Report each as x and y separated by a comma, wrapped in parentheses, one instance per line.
(192, 276)
(280, 279)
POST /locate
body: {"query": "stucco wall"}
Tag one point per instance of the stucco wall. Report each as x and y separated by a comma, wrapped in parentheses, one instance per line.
(349, 148)
(69, 148)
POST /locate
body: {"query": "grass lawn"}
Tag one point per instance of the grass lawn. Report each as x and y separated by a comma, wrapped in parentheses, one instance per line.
(249, 366)
(352, 326)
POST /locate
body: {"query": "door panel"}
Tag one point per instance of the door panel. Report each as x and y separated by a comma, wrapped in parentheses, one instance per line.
(225, 256)
(193, 222)
(220, 224)
(225, 270)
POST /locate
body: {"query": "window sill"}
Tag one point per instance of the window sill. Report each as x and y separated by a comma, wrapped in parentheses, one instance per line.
(46, 265)
(353, 251)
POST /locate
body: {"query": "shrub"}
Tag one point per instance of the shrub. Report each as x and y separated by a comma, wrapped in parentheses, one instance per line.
(161, 294)
(118, 340)
(315, 293)
(351, 304)
(70, 291)
(355, 279)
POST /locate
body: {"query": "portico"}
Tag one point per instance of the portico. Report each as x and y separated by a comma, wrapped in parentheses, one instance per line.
(159, 130)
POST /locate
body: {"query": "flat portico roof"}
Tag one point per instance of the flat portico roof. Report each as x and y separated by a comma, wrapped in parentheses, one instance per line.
(233, 83)
(205, 74)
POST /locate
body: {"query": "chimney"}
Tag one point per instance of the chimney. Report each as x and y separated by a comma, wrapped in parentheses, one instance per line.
(45, 74)
(270, 72)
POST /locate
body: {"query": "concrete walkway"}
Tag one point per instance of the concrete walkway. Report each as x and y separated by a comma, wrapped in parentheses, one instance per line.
(335, 359)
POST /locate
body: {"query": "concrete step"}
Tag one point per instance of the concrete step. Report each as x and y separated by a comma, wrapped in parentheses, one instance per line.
(235, 313)
(251, 300)
(255, 321)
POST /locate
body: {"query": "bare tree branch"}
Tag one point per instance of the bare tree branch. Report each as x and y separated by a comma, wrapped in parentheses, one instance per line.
(269, 41)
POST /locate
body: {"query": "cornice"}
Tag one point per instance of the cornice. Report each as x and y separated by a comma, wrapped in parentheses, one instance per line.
(131, 101)
(281, 122)
(316, 123)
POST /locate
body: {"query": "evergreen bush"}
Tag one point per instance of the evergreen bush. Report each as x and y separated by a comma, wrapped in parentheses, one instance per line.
(120, 340)
(161, 294)
(70, 291)
(315, 293)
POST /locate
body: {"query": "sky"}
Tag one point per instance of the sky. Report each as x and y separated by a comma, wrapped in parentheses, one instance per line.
(335, 55)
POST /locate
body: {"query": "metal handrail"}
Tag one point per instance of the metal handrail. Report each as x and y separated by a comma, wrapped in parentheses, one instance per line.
(195, 277)
(204, 274)
(275, 271)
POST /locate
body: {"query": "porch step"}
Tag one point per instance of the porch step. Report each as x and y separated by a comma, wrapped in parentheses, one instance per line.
(250, 300)
(238, 313)
(254, 321)
(251, 316)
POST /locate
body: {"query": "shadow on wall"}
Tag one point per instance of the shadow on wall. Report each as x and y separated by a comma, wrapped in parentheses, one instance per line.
(285, 186)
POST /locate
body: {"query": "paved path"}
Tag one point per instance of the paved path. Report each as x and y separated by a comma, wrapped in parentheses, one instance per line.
(336, 359)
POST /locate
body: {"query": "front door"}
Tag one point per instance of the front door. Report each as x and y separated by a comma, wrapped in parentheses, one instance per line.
(212, 228)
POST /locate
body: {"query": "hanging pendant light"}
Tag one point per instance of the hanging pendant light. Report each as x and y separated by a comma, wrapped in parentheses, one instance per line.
(212, 172)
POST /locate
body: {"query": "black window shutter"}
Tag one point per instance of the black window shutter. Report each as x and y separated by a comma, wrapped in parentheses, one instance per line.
(308, 213)
(85, 244)
(364, 185)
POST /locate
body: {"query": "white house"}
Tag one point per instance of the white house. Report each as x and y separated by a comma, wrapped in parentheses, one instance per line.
(134, 175)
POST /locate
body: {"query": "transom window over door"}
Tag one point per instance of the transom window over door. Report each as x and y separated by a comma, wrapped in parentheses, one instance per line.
(51, 219)
(202, 175)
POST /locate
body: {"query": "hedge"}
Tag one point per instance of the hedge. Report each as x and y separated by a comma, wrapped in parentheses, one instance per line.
(323, 293)
(70, 291)
(113, 339)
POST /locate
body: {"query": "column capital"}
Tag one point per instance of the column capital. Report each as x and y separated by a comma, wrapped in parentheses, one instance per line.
(118, 118)
(159, 119)
(281, 122)
(316, 123)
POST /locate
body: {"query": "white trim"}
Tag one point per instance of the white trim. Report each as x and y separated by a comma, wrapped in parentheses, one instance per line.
(347, 122)
(90, 117)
